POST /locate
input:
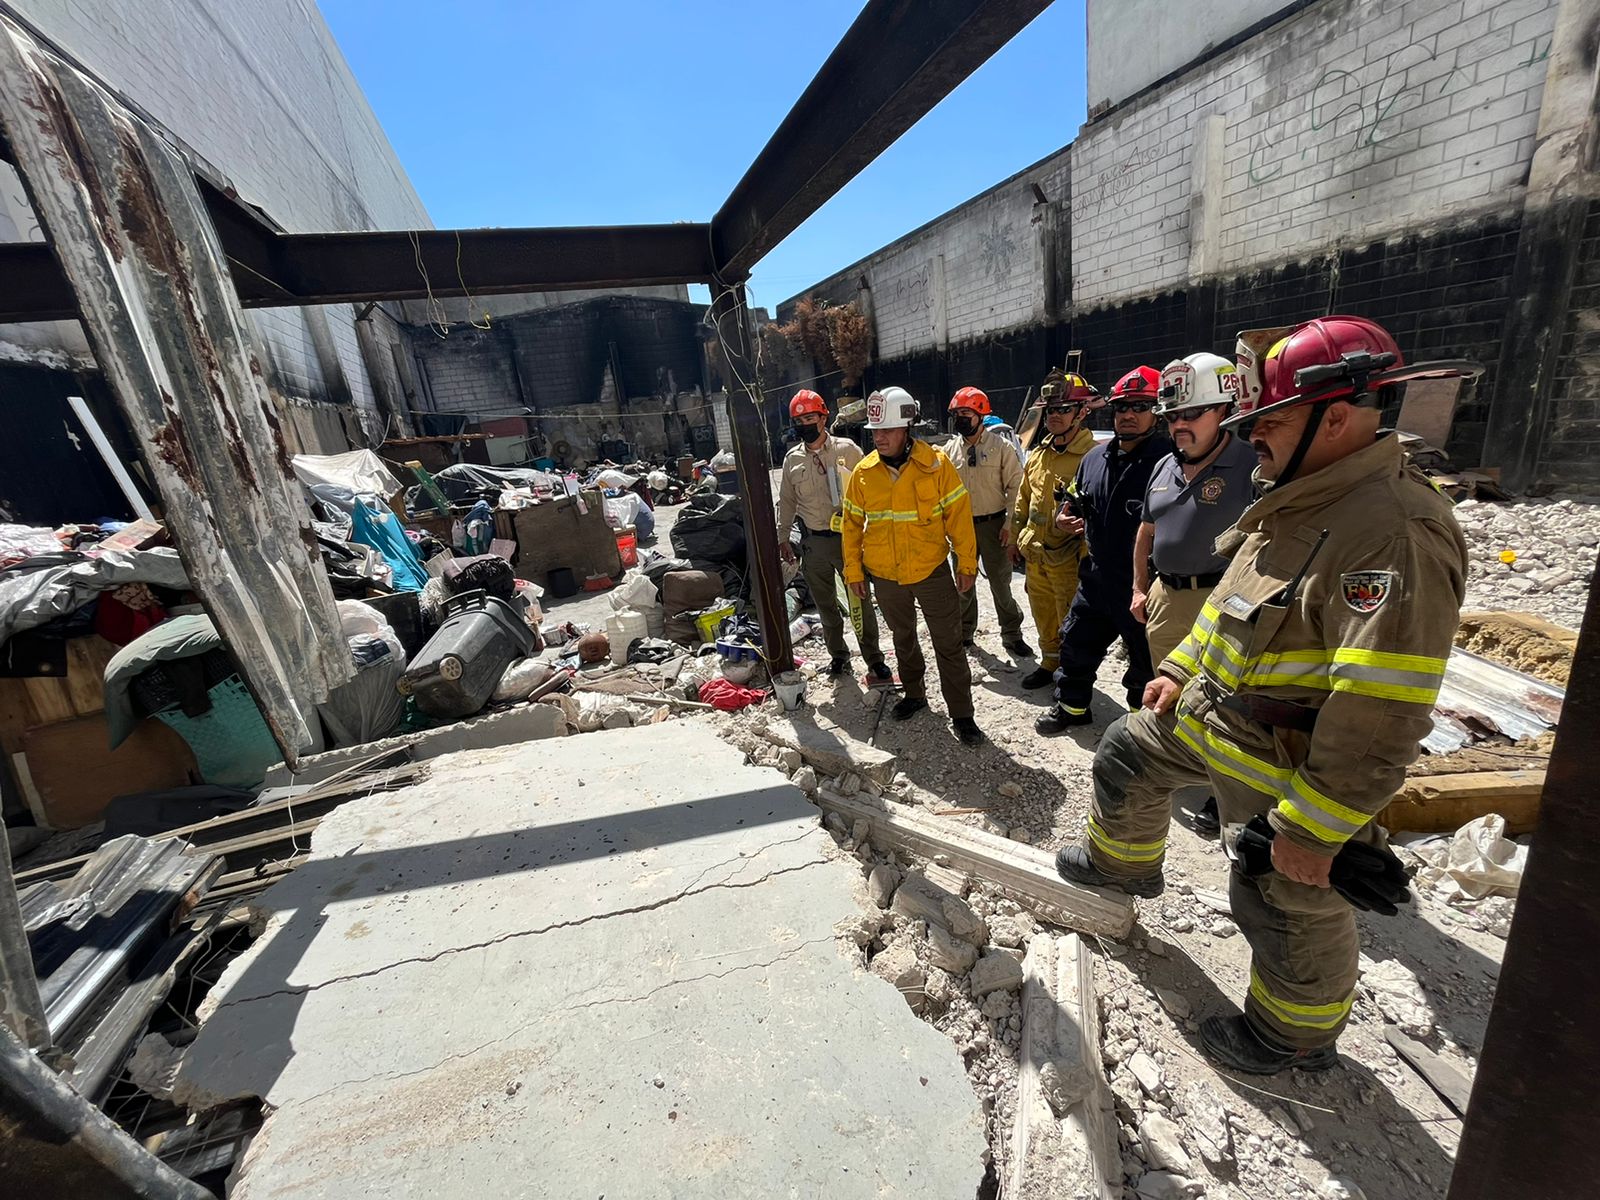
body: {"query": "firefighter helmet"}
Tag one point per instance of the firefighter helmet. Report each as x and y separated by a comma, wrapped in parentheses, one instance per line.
(1328, 359)
(805, 403)
(970, 398)
(1062, 387)
(891, 408)
(1141, 383)
(1201, 380)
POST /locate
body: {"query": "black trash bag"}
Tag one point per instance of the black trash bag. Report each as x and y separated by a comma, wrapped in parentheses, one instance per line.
(481, 573)
(710, 529)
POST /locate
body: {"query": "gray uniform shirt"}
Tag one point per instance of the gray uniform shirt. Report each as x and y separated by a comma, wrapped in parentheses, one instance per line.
(1190, 514)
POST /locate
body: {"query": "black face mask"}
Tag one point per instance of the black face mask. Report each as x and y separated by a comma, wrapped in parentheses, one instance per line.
(806, 433)
(966, 426)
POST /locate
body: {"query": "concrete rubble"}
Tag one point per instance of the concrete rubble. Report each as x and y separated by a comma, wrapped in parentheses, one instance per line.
(557, 962)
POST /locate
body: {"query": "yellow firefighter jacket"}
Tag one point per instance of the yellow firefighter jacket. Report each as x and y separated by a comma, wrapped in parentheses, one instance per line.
(1361, 642)
(902, 527)
(1033, 516)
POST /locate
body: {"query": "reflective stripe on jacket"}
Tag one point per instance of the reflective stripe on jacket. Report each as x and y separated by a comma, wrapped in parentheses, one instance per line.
(1363, 640)
(1033, 516)
(903, 527)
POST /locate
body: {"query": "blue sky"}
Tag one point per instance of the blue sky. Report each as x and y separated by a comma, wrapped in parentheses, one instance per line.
(538, 113)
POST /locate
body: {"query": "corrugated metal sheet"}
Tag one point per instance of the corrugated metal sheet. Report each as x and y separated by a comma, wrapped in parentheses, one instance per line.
(133, 235)
(1480, 698)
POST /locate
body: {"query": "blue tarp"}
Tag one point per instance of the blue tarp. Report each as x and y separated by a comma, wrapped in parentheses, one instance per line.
(375, 526)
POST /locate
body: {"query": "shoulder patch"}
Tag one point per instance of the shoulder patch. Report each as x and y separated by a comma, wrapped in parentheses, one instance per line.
(1365, 591)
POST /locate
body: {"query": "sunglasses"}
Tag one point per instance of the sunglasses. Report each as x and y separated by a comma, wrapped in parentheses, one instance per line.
(1191, 414)
(972, 456)
(1062, 410)
(1132, 406)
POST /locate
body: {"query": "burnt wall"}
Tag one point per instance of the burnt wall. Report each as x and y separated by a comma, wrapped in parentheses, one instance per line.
(1571, 448)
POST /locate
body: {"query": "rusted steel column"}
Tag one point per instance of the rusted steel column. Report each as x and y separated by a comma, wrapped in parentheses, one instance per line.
(1534, 1094)
(732, 318)
(134, 239)
(21, 1009)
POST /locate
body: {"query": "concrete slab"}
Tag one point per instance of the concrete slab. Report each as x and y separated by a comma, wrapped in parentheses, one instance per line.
(598, 966)
(524, 723)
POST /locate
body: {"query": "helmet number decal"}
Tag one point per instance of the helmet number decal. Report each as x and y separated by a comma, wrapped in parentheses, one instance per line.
(1365, 591)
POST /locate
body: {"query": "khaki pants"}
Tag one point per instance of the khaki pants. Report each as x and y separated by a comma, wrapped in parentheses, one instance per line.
(1172, 613)
(996, 560)
(941, 609)
(1051, 587)
(1303, 939)
(821, 558)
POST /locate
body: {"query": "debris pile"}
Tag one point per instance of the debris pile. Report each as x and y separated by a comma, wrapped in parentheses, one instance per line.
(1535, 555)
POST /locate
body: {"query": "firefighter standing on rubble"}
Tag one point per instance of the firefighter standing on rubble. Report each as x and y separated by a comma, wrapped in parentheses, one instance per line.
(1050, 553)
(1302, 691)
(1195, 496)
(988, 464)
(811, 486)
(1106, 506)
(906, 512)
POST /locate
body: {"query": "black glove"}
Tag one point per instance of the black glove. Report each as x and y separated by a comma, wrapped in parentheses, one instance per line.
(1371, 878)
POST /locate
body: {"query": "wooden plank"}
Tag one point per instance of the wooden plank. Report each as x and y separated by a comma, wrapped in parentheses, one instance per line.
(86, 673)
(50, 699)
(77, 774)
(1021, 873)
(1453, 1085)
(1444, 803)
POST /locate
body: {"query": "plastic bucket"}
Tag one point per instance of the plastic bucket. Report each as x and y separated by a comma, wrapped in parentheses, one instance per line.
(623, 629)
(562, 582)
(791, 689)
(628, 548)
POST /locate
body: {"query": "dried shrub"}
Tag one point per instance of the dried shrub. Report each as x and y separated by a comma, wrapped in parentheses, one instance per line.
(850, 336)
(811, 323)
(776, 351)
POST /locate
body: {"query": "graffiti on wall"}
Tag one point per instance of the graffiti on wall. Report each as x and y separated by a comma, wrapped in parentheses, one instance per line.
(1360, 109)
(913, 292)
(997, 248)
(1117, 185)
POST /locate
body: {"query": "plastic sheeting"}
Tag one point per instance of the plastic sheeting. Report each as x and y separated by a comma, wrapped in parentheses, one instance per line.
(38, 592)
(370, 705)
(380, 529)
(338, 479)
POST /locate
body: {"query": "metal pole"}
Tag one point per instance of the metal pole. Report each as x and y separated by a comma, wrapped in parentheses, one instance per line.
(21, 1009)
(732, 319)
(41, 1111)
(1541, 1054)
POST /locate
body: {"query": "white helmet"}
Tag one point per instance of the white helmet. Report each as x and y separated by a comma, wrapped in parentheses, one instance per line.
(1198, 381)
(892, 408)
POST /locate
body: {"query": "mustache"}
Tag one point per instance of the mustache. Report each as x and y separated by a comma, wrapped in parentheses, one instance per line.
(1261, 448)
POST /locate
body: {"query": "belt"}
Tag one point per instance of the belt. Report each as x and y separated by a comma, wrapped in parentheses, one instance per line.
(1185, 582)
(1279, 714)
(806, 531)
(999, 516)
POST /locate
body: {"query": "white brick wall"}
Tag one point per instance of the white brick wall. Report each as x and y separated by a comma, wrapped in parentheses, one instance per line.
(993, 270)
(260, 90)
(1351, 121)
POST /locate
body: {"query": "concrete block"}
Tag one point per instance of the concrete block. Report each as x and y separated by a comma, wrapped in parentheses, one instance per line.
(525, 723)
(994, 973)
(830, 750)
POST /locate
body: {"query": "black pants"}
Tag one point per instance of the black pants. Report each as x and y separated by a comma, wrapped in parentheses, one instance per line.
(1099, 616)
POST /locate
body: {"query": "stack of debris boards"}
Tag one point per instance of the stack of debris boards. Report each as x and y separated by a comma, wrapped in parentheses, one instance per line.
(105, 950)
(1490, 744)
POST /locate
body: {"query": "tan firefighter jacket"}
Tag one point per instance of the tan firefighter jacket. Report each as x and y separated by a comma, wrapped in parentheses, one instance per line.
(1033, 515)
(1362, 641)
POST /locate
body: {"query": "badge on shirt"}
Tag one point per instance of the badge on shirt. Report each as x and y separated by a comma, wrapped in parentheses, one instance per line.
(1365, 591)
(1211, 489)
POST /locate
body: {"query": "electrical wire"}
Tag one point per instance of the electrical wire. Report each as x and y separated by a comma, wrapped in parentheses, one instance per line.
(438, 317)
(468, 292)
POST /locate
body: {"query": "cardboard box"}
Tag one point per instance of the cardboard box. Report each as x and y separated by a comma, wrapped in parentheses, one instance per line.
(555, 534)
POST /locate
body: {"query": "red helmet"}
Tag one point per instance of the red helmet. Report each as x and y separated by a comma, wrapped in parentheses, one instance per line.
(1327, 359)
(806, 402)
(1141, 383)
(1063, 388)
(970, 397)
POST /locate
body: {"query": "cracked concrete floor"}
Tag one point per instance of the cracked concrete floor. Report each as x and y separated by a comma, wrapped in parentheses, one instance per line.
(593, 966)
